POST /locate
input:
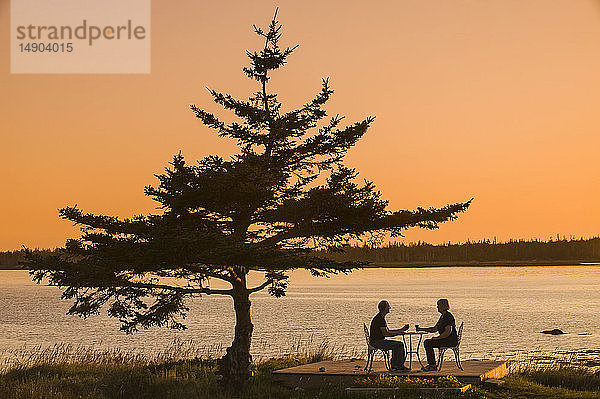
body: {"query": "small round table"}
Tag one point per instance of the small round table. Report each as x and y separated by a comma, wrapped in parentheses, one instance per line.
(409, 347)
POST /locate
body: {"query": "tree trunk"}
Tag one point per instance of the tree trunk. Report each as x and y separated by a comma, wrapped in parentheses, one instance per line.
(234, 367)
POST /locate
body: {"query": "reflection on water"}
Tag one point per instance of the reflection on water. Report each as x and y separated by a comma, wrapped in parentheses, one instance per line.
(503, 308)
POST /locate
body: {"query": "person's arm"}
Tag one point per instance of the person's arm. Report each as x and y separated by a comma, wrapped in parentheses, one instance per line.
(390, 333)
(427, 329)
(445, 334)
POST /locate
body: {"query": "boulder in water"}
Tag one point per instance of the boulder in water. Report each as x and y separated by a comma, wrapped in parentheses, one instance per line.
(556, 331)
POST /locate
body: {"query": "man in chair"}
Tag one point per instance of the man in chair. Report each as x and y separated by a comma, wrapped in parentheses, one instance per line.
(378, 333)
(446, 328)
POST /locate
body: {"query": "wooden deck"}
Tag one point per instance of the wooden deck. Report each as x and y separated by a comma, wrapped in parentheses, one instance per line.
(343, 372)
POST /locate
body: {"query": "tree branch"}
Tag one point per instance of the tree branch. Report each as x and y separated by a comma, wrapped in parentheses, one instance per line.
(260, 287)
(284, 235)
(221, 276)
(403, 219)
(207, 291)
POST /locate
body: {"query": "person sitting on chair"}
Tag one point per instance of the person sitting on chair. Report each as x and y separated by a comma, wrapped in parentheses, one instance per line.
(379, 331)
(446, 327)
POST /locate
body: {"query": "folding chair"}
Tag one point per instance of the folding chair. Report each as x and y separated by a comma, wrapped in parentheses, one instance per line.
(455, 349)
(371, 353)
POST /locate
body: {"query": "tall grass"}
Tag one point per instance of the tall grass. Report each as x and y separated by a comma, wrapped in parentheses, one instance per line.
(566, 377)
(309, 346)
(180, 370)
(81, 354)
(570, 370)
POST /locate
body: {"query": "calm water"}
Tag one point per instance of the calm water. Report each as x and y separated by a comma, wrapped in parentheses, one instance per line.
(503, 308)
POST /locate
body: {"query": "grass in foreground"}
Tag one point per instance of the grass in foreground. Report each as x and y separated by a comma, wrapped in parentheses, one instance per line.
(550, 381)
(105, 376)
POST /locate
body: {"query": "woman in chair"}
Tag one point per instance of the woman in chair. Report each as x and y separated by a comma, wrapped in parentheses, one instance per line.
(446, 328)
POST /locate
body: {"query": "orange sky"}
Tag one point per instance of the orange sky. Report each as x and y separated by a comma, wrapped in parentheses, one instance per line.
(496, 100)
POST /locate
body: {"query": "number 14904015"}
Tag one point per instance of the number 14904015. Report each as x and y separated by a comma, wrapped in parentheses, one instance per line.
(46, 47)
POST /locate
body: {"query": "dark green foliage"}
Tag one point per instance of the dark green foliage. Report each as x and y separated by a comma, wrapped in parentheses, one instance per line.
(521, 386)
(196, 378)
(14, 259)
(481, 251)
(192, 378)
(581, 249)
(566, 377)
(187, 378)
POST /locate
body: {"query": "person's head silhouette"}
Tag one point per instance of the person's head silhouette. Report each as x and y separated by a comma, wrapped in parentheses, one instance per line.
(443, 305)
(384, 307)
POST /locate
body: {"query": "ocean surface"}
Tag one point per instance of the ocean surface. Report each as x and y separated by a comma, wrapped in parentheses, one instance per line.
(504, 309)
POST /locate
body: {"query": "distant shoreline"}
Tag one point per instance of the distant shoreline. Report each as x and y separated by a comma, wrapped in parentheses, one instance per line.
(11, 268)
(421, 265)
(499, 263)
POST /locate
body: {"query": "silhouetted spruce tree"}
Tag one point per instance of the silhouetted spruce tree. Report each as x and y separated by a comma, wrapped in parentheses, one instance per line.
(262, 210)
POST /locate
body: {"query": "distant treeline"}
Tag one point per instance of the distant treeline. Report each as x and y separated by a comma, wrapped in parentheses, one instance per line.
(11, 259)
(561, 250)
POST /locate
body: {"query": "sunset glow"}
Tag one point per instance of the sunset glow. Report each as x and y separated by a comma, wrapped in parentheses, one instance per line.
(495, 100)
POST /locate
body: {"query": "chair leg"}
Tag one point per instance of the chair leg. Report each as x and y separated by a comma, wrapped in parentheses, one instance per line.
(457, 357)
(386, 360)
(441, 358)
(369, 362)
